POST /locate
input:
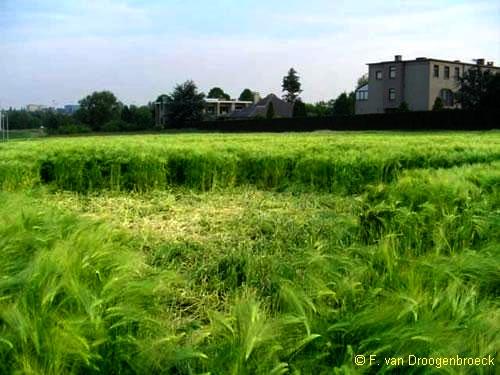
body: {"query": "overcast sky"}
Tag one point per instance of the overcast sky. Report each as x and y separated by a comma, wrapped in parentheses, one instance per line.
(57, 51)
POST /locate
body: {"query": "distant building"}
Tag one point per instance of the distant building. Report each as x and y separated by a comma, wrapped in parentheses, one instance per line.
(70, 109)
(234, 109)
(35, 107)
(220, 107)
(417, 82)
(259, 109)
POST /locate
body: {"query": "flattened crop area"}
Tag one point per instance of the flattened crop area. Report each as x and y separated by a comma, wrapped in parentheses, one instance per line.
(249, 254)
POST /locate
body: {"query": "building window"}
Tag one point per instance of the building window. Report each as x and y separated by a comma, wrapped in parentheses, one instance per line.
(447, 97)
(378, 74)
(362, 95)
(392, 72)
(436, 71)
(392, 94)
(457, 73)
(446, 72)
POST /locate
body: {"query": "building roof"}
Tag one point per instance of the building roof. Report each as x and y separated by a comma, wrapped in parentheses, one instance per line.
(281, 108)
(362, 88)
(224, 101)
(426, 59)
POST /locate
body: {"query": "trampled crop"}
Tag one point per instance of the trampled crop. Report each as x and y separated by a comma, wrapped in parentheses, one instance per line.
(249, 254)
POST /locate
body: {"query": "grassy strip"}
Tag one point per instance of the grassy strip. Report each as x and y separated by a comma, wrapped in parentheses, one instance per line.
(337, 163)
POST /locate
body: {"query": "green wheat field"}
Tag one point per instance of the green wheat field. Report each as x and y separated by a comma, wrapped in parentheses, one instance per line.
(249, 254)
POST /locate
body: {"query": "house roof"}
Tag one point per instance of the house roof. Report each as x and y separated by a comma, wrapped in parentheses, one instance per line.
(281, 108)
(224, 101)
(362, 88)
(425, 59)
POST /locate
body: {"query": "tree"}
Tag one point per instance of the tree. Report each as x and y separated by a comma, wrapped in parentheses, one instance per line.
(98, 109)
(320, 109)
(403, 107)
(142, 117)
(185, 105)
(218, 93)
(247, 95)
(126, 114)
(291, 86)
(344, 104)
(54, 121)
(270, 111)
(438, 104)
(22, 119)
(137, 118)
(491, 99)
(479, 89)
(299, 109)
(363, 80)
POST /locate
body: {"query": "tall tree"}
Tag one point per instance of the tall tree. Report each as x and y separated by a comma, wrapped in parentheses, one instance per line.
(247, 95)
(344, 104)
(291, 86)
(98, 108)
(126, 114)
(185, 105)
(218, 93)
(479, 89)
(138, 118)
(142, 117)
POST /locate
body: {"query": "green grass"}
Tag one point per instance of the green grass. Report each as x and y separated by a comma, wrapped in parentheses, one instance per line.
(23, 134)
(252, 254)
(342, 162)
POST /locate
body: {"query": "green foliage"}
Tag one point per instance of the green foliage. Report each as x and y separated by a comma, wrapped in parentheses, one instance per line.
(72, 129)
(55, 121)
(270, 111)
(185, 105)
(344, 105)
(299, 109)
(438, 104)
(22, 119)
(291, 86)
(312, 162)
(247, 95)
(479, 89)
(218, 93)
(363, 80)
(114, 126)
(403, 107)
(320, 109)
(136, 118)
(98, 108)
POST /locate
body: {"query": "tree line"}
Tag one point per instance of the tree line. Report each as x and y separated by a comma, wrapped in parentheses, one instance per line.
(98, 112)
(103, 112)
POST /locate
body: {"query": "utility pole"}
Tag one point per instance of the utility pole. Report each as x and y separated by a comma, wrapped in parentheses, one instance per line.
(1, 125)
(4, 126)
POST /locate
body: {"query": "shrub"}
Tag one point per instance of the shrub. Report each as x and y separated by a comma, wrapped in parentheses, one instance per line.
(114, 126)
